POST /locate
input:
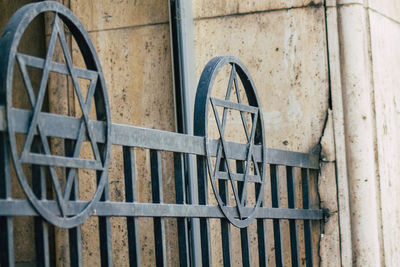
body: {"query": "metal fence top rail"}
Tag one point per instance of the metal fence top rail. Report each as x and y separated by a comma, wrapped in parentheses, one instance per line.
(134, 136)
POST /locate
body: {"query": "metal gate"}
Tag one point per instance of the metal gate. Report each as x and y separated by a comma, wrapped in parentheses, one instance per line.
(241, 174)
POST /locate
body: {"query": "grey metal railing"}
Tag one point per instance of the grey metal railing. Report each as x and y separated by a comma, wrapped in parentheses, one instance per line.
(230, 167)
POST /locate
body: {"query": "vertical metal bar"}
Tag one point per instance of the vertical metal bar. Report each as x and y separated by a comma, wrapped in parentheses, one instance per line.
(74, 234)
(130, 196)
(184, 73)
(6, 242)
(157, 194)
(244, 237)
(244, 233)
(276, 222)
(305, 183)
(262, 242)
(105, 226)
(105, 237)
(291, 189)
(6, 223)
(225, 224)
(41, 227)
(261, 228)
(204, 222)
(180, 191)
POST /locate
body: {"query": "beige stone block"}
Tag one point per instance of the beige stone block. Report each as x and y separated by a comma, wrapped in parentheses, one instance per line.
(385, 35)
(389, 8)
(136, 63)
(339, 135)
(254, 5)
(349, 2)
(359, 119)
(329, 241)
(204, 8)
(137, 69)
(285, 53)
(329, 249)
(212, 8)
(110, 14)
(288, 60)
(327, 187)
(330, 3)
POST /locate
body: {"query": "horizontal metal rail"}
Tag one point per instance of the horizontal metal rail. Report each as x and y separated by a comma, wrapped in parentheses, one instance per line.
(125, 209)
(67, 127)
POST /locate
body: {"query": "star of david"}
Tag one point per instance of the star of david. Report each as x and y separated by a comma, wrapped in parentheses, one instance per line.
(240, 194)
(47, 159)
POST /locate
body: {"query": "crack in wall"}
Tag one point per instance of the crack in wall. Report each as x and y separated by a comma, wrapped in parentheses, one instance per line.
(310, 5)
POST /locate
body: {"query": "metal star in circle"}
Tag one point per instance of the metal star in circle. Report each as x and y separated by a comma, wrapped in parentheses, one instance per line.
(223, 151)
(36, 127)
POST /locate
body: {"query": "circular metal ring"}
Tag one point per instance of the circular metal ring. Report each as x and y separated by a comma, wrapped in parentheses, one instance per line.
(68, 215)
(240, 215)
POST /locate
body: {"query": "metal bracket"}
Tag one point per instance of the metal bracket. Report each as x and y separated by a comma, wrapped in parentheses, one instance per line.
(325, 215)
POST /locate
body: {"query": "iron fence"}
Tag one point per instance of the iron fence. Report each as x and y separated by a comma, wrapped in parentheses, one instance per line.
(240, 173)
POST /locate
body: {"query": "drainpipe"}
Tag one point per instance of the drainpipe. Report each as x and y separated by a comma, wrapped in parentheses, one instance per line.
(184, 74)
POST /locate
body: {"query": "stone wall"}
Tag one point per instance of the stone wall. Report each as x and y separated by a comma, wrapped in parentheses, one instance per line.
(283, 44)
(132, 39)
(366, 96)
(325, 73)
